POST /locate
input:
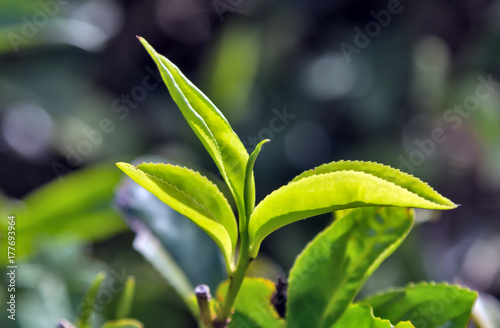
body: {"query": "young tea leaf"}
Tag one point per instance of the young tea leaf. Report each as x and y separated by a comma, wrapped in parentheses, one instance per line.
(192, 195)
(253, 306)
(385, 172)
(208, 123)
(328, 189)
(250, 181)
(426, 305)
(357, 316)
(334, 266)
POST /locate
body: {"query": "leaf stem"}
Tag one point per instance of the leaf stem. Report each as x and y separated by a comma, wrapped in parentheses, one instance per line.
(244, 259)
(236, 280)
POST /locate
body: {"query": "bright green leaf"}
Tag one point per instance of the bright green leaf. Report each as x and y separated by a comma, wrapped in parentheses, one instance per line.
(124, 323)
(384, 172)
(253, 306)
(192, 195)
(87, 307)
(326, 189)
(361, 316)
(208, 123)
(250, 181)
(426, 305)
(334, 266)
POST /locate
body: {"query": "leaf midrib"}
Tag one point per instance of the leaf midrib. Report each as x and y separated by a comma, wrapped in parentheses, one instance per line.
(205, 101)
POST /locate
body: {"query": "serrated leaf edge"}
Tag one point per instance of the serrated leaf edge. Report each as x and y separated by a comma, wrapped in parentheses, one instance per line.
(295, 179)
(229, 258)
(220, 163)
(193, 171)
(334, 173)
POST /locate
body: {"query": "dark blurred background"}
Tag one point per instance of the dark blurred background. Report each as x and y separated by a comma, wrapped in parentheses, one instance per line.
(411, 84)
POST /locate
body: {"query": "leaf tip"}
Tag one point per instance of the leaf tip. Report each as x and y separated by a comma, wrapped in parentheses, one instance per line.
(125, 167)
(121, 165)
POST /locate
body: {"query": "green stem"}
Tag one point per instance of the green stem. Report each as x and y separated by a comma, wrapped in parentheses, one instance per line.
(236, 280)
(245, 211)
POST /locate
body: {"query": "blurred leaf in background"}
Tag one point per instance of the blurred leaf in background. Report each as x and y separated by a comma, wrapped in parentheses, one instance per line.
(79, 204)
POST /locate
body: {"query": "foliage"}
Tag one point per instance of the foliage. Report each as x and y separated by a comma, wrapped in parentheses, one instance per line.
(87, 308)
(79, 206)
(371, 201)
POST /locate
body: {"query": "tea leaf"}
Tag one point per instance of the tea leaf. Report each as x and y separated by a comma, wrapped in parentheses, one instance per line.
(358, 316)
(336, 186)
(334, 266)
(249, 179)
(192, 195)
(426, 305)
(385, 172)
(208, 123)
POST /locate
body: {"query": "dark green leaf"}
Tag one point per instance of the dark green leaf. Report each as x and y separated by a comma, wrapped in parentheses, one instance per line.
(426, 305)
(334, 266)
(361, 316)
